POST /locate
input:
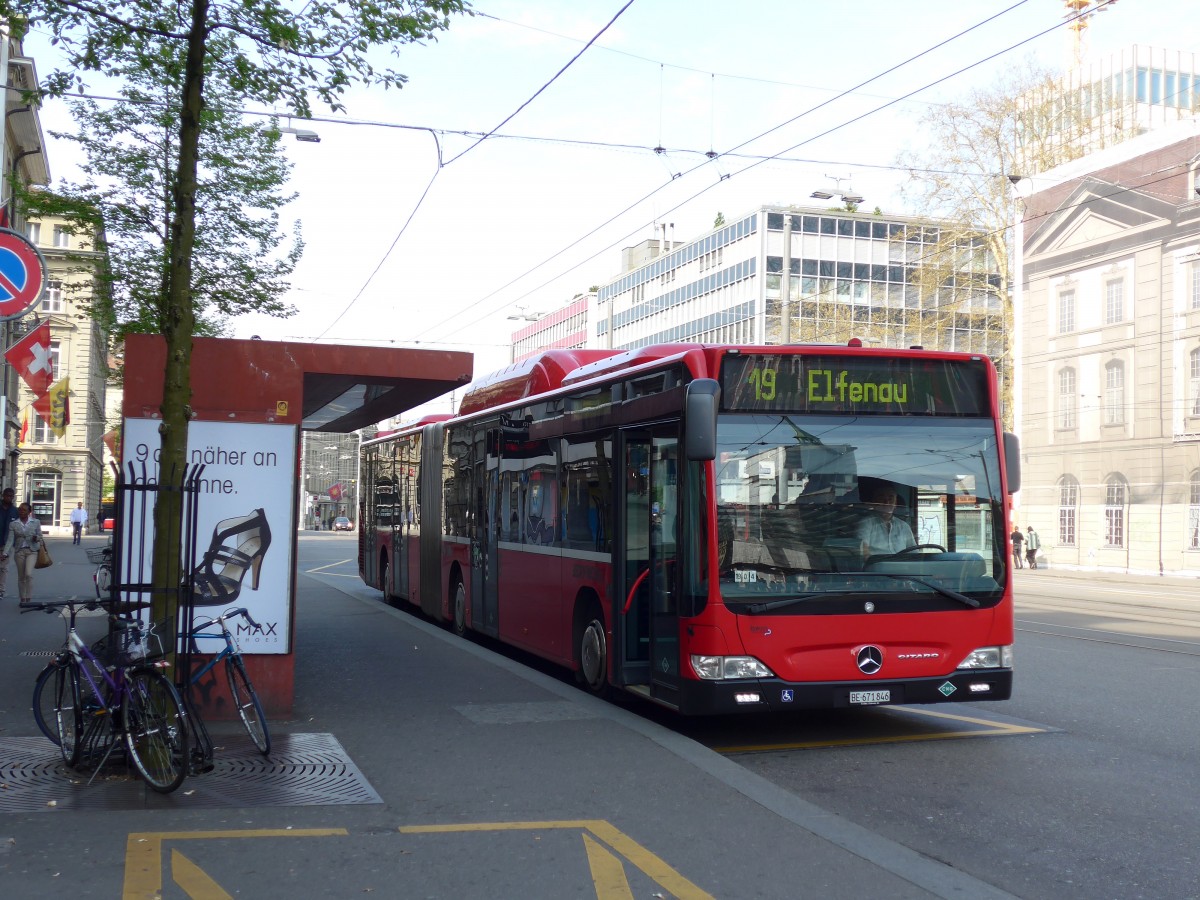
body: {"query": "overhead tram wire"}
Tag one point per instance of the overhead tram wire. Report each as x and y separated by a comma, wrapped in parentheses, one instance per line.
(658, 62)
(391, 247)
(442, 164)
(707, 188)
(538, 92)
(711, 159)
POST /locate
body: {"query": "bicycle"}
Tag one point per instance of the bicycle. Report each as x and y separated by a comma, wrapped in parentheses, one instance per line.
(245, 700)
(102, 577)
(129, 699)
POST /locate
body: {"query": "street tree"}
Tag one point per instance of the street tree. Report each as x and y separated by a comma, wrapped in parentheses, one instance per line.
(976, 148)
(282, 55)
(240, 262)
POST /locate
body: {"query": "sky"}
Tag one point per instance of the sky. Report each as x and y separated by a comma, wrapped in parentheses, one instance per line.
(404, 251)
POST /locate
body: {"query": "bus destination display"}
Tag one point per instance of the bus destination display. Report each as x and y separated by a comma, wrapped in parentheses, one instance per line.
(866, 385)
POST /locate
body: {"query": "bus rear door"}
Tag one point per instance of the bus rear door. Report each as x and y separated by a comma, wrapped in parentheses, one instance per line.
(485, 556)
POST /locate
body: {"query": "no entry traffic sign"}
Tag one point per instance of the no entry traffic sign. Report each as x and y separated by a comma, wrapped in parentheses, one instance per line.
(22, 274)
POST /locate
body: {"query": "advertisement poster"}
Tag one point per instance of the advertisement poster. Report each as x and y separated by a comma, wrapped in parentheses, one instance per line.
(244, 522)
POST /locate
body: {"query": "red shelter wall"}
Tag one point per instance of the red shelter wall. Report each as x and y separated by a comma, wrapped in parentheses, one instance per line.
(282, 383)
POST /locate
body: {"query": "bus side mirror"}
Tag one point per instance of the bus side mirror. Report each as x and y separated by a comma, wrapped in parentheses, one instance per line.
(1012, 461)
(700, 419)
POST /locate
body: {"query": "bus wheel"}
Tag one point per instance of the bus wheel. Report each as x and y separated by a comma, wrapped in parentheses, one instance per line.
(460, 610)
(593, 655)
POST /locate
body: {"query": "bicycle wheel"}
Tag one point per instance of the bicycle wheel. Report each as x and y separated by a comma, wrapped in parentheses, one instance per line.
(249, 710)
(155, 729)
(103, 580)
(56, 708)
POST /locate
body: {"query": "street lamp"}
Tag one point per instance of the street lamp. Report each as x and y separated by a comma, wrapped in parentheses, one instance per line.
(848, 196)
(302, 134)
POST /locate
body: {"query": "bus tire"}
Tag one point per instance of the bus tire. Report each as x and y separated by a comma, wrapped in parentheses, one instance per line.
(460, 609)
(592, 644)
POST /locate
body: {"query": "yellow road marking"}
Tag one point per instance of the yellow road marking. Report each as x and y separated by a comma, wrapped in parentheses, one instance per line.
(604, 844)
(143, 855)
(995, 729)
(608, 875)
(642, 858)
(194, 880)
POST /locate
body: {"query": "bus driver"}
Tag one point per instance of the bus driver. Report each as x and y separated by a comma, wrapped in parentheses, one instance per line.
(880, 532)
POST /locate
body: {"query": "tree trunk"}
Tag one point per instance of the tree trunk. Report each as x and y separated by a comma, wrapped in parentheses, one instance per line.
(178, 323)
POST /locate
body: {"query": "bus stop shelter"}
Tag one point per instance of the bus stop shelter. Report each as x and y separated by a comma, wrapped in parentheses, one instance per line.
(251, 399)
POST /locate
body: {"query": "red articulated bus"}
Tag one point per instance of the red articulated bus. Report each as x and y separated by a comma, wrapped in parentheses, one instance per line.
(716, 528)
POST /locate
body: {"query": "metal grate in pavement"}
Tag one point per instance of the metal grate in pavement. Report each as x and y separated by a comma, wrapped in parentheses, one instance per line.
(303, 770)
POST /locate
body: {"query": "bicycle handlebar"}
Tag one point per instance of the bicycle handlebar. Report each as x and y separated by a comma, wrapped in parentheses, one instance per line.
(52, 606)
(231, 614)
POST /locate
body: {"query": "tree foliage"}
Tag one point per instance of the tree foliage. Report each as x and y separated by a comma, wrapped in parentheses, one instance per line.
(270, 52)
(976, 148)
(131, 151)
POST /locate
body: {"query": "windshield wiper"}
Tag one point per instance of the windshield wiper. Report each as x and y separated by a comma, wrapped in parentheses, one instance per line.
(933, 585)
(758, 608)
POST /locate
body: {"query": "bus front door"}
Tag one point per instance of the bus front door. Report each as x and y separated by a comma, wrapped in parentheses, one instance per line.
(648, 617)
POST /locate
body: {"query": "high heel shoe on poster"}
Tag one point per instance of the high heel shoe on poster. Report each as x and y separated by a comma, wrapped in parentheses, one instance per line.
(238, 546)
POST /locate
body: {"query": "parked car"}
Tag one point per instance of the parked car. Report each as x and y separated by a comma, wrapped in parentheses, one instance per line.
(341, 523)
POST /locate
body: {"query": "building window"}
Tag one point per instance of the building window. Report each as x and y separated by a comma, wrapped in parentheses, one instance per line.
(1194, 281)
(1066, 398)
(1194, 513)
(33, 231)
(1066, 312)
(52, 300)
(1114, 512)
(1114, 393)
(1194, 381)
(1068, 509)
(62, 240)
(1114, 302)
(42, 433)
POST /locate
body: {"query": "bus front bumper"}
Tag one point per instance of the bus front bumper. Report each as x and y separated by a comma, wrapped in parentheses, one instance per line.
(776, 695)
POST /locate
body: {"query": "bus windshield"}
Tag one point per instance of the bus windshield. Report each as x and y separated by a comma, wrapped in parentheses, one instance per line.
(809, 507)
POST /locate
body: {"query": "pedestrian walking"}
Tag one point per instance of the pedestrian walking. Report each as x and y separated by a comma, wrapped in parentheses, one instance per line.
(1033, 543)
(1018, 540)
(8, 515)
(79, 519)
(24, 540)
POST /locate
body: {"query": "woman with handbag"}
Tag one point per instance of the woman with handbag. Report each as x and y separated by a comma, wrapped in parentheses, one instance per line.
(24, 542)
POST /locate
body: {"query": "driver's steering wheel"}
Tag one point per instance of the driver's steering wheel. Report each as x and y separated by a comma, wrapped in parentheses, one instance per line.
(907, 551)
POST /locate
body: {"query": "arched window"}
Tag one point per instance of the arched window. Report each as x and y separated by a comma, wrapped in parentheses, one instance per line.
(1194, 512)
(1115, 499)
(1068, 509)
(1114, 393)
(1066, 398)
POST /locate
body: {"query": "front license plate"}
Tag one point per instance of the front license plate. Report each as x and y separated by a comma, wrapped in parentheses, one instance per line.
(869, 697)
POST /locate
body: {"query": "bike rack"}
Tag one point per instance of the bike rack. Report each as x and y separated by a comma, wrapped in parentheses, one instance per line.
(132, 577)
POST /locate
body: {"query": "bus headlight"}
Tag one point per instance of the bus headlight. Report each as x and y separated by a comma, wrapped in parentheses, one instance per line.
(719, 668)
(989, 658)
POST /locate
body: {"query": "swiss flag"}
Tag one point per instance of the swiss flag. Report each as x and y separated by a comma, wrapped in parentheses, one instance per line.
(30, 356)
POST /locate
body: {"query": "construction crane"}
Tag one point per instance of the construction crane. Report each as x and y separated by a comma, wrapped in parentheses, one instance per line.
(1078, 16)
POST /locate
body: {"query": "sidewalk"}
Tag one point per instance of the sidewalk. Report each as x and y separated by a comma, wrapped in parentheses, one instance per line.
(494, 780)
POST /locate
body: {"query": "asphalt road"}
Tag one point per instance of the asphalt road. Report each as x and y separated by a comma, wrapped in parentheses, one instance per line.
(1102, 803)
(1082, 785)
